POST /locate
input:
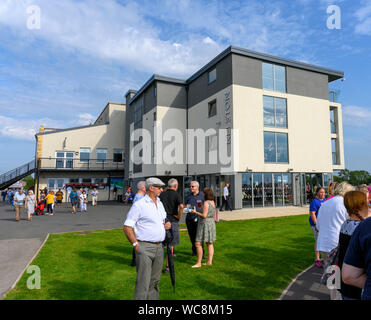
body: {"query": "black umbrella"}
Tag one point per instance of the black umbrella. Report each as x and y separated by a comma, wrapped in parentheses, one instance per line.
(168, 239)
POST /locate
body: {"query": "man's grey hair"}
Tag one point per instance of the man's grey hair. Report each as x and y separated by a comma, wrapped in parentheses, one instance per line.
(172, 183)
(196, 183)
(342, 188)
(141, 184)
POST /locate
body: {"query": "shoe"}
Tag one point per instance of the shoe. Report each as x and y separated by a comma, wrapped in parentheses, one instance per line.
(166, 270)
(206, 264)
(174, 255)
(318, 264)
(196, 266)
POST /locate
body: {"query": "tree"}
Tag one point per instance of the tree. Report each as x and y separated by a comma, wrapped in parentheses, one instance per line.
(30, 182)
(355, 177)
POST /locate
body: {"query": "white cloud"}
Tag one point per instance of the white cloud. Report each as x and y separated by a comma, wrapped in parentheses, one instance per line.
(363, 16)
(123, 33)
(357, 116)
(84, 119)
(24, 129)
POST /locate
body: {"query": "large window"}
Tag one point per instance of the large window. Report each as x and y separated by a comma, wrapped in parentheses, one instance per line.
(64, 159)
(274, 77)
(212, 75)
(333, 119)
(275, 147)
(335, 154)
(101, 155)
(212, 109)
(275, 112)
(84, 154)
(117, 155)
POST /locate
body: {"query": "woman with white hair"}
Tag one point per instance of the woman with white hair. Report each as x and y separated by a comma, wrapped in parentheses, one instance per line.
(331, 217)
(30, 204)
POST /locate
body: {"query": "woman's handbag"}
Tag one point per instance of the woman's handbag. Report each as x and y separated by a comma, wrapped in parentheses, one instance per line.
(216, 215)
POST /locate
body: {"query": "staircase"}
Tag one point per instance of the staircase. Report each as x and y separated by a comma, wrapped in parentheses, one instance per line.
(12, 176)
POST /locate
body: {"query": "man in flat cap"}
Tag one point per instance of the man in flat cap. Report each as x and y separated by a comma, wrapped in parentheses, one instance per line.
(145, 229)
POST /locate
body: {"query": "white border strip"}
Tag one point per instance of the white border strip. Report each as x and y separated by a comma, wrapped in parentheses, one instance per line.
(21, 274)
(292, 282)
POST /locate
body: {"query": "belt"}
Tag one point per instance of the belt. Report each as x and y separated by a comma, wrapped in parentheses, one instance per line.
(158, 242)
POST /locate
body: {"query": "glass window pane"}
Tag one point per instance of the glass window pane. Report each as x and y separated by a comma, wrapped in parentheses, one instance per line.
(51, 183)
(281, 113)
(287, 187)
(84, 154)
(268, 111)
(60, 154)
(278, 189)
(246, 189)
(267, 70)
(69, 154)
(258, 190)
(101, 154)
(212, 75)
(268, 190)
(279, 78)
(59, 163)
(282, 148)
(60, 183)
(269, 147)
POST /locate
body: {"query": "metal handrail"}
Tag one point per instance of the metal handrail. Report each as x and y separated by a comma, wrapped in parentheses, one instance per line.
(12, 174)
(79, 164)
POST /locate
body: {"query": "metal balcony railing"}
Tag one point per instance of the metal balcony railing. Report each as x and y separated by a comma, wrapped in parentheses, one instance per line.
(18, 173)
(334, 95)
(65, 164)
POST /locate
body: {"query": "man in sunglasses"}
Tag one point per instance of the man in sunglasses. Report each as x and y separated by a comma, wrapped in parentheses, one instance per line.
(145, 229)
(194, 200)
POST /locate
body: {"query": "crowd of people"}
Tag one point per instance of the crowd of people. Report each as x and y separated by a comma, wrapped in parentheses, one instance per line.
(20, 199)
(342, 234)
(153, 212)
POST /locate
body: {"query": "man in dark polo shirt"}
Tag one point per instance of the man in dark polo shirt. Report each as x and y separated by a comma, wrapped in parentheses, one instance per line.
(194, 200)
(173, 204)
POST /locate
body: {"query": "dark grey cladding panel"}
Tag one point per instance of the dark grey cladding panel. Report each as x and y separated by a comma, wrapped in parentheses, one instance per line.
(200, 89)
(149, 98)
(307, 83)
(171, 95)
(247, 71)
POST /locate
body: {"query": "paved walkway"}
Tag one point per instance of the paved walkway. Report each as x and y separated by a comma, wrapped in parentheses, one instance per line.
(20, 241)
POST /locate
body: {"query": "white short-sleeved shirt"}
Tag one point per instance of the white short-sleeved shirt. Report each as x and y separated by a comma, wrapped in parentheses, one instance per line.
(225, 191)
(147, 220)
(331, 216)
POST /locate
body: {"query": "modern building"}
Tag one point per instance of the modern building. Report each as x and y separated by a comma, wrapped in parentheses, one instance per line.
(85, 156)
(284, 134)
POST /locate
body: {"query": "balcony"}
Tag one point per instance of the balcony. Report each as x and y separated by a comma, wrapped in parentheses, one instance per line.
(334, 95)
(67, 164)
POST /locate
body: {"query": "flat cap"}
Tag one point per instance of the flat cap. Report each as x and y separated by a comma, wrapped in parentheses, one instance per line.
(156, 182)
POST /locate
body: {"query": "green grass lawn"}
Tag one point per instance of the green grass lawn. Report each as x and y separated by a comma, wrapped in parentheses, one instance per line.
(254, 259)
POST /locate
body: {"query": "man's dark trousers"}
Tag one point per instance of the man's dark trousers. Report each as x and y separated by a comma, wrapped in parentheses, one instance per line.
(192, 231)
(226, 203)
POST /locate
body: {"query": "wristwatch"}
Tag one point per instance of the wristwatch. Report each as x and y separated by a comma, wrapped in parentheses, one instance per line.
(135, 243)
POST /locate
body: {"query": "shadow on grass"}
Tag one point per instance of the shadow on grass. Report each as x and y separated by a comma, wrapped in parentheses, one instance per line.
(121, 260)
(63, 290)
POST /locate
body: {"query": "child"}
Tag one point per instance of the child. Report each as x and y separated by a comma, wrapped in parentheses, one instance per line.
(83, 201)
(50, 203)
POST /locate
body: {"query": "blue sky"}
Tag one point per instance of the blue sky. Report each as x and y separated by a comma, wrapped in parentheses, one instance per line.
(87, 53)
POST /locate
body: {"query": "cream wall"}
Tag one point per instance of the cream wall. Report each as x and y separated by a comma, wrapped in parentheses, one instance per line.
(169, 118)
(198, 118)
(108, 136)
(309, 136)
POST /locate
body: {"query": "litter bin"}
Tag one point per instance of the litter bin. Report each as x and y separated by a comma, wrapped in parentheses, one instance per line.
(119, 198)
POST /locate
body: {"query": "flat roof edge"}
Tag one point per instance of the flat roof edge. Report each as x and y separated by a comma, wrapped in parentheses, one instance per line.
(69, 129)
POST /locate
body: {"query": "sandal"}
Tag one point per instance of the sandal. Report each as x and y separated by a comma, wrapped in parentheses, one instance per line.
(196, 266)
